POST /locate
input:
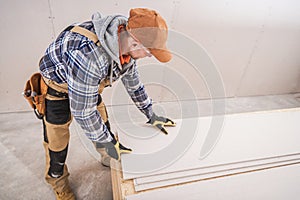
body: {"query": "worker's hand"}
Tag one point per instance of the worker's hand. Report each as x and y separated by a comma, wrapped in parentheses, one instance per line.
(161, 122)
(114, 149)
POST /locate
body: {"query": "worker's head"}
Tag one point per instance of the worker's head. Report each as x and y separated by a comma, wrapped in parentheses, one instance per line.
(148, 33)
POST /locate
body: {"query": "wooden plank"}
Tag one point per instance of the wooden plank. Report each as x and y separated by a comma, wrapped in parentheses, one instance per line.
(115, 180)
(121, 188)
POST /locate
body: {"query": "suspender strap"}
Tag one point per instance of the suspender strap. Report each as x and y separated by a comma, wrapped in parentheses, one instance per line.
(89, 34)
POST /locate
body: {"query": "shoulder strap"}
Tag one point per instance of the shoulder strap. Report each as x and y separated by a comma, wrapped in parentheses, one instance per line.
(89, 34)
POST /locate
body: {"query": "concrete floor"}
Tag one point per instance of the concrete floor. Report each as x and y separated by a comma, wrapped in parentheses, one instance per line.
(22, 153)
(22, 163)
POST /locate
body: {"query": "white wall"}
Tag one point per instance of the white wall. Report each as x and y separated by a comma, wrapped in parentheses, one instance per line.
(254, 44)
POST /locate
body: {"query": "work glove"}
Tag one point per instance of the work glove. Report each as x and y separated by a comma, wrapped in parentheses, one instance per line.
(161, 122)
(114, 148)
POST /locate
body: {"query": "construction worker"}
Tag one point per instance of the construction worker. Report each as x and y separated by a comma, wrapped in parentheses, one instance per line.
(78, 65)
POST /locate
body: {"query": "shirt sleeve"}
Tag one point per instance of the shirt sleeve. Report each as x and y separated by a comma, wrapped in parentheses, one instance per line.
(83, 78)
(137, 92)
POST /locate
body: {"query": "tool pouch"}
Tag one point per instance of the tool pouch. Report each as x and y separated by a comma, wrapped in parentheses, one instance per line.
(35, 92)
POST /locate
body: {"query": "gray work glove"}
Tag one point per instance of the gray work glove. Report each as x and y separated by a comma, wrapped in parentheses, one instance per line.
(114, 148)
(161, 122)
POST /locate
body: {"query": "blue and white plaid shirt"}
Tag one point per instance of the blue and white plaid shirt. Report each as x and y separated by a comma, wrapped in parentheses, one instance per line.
(77, 61)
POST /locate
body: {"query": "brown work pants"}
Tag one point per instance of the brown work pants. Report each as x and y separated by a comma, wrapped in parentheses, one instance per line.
(56, 124)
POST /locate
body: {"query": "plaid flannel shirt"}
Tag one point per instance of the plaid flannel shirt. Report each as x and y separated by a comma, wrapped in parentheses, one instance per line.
(77, 61)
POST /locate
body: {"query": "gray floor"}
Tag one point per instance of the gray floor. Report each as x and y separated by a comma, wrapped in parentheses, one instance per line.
(22, 154)
(22, 163)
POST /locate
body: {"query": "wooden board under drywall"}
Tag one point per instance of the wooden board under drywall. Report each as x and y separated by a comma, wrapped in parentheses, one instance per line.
(121, 188)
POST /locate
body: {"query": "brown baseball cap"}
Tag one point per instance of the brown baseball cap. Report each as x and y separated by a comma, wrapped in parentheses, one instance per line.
(148, 27)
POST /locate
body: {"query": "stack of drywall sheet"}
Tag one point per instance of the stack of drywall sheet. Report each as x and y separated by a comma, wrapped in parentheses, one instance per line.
(247, 142)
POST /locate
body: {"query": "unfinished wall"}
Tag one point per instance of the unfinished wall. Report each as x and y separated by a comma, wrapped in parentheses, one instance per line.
(255, 44)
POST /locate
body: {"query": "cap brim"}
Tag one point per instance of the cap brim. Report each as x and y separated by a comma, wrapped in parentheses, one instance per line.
(162, 55)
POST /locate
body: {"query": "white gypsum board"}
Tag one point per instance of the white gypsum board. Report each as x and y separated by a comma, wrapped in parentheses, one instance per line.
(153, 151)
(205, 175)
(276, 184)
(241, 166)
(245, 136)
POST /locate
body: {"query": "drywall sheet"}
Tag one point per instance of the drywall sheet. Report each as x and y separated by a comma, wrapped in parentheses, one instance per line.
(242, 138)
(276, 184)
(203, 174)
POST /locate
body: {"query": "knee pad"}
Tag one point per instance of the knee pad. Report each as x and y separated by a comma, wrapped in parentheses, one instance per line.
(57, 111)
